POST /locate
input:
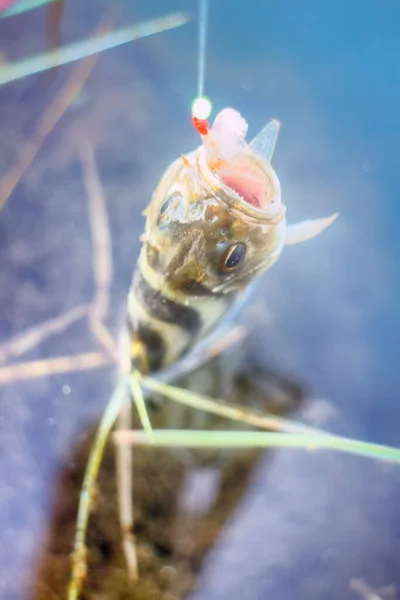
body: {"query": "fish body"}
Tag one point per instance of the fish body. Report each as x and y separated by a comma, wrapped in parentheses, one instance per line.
(216, 221)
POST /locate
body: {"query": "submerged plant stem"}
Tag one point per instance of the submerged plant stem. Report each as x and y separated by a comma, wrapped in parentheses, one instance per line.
(17, 8)
(53, 366)
(107, 422)
(221, 407)
(140, 404)
(94, 45)
(256, 439)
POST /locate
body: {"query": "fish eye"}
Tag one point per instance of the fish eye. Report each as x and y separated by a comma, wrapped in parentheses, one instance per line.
(232, 257)
(166, 205)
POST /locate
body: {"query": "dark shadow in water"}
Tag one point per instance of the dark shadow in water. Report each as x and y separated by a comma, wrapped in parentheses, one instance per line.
(182, 499)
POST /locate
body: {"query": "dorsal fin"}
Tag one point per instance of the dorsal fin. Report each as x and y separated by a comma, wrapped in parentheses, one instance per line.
(265, 140)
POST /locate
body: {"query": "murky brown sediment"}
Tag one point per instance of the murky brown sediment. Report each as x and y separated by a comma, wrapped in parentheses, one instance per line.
(172, 541)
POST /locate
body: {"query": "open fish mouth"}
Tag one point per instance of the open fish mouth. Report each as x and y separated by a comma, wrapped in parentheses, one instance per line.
(243, 171)
(246, 184)
(249, 182)
(252, 188)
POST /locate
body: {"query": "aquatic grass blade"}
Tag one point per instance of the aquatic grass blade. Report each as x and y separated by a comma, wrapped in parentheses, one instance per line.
(17, 8)
(257, 439)
(296, 435)
(109, 417)
(228, 410)
(140, 403)
(78, 50)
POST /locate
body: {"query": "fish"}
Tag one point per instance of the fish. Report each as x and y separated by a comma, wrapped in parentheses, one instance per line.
(215, 223)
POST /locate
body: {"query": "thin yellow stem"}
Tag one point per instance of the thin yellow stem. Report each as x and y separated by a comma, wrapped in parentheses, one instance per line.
(33, 336)
(53, 366)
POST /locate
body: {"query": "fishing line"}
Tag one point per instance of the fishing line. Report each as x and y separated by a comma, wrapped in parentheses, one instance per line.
(203, 21)
(201, 107)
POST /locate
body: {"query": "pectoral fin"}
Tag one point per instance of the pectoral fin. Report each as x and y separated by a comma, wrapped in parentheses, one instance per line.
(305, 230)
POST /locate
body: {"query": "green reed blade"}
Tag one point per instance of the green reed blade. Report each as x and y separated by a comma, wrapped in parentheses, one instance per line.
(228, 410)
(106, 424)
(140, 403)
(23, 6)
(88, 47)
(257, 439)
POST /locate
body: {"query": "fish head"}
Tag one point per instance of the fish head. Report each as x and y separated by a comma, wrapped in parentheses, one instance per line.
(212, 231)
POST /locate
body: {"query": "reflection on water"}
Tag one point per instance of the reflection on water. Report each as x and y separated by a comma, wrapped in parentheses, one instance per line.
(182, 498)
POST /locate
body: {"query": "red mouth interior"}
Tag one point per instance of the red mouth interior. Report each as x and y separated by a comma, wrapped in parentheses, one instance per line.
(246, 182)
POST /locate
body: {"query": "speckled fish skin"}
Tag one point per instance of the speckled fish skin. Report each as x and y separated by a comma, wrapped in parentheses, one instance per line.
(181, 288)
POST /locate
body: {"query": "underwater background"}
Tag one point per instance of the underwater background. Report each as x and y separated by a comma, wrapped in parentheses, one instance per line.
(327, 314)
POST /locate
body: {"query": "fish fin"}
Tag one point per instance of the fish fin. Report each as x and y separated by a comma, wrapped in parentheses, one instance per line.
(305, 230)
(265, 140)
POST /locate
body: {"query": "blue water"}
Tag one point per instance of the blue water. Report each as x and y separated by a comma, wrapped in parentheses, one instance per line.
(330, 73)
